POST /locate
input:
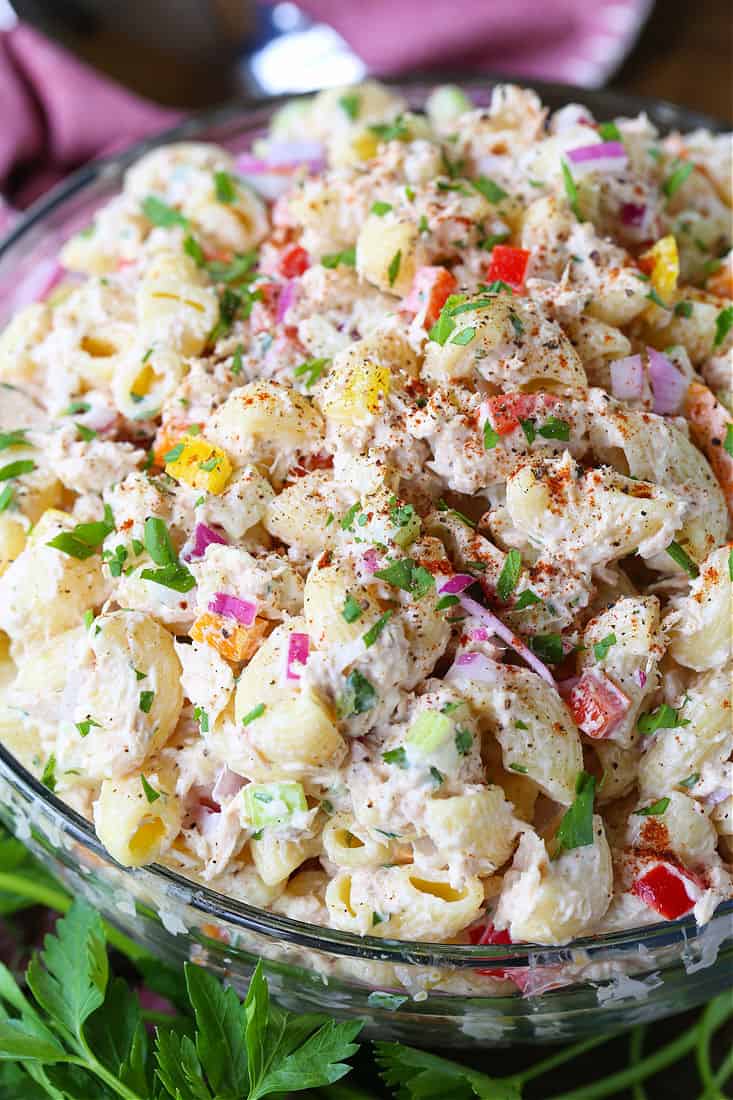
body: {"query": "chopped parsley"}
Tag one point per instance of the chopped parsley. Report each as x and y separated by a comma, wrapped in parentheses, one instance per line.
(226, 188)
(723, 325)
(609, 131)
(689, 781)
(494, 238)
(656, 809)
(491, 436)
(464, 336)
(509, 575)
(422, 224)
(398, 757)
(347, 520)
(157, 541)
(391, 131)
(236, 367)
(518, 767)
(681, 171)
(347, 258)
(664, 717)
(76, 408)
(174, 453)
(352, 610)
(521, 725)
(728, 441)
(150, 792)
(84, 433)
(682, 558)
(146, 701)
(576, 828)
(516, 324)
(652, 296)
(193, 249)
(527, 598)
(17, 469)
(394, 267)
(407, 575)
(85, 538)
(209, 465)
(161, 214)
(358, 698)
(548, 647)
(202, 718)
(490, 190)
(253, 714)
(436, 776)
(374, 631)
(445, 602)
(380, 208)
(528, 428)
(85, 726)
(48, 777)
(571, 190)
(463, 741)
(230, 303)
(311, 370)
(600, 649)
(17, 438)
(555, 429)
(683, 309)
(350, 104)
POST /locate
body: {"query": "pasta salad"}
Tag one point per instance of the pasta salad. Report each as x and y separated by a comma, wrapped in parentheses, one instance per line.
(364, 505)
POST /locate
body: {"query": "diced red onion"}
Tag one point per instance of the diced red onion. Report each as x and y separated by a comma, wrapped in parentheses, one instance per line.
(603, 156)
(669, 384)
(228, 783)
(641, 677)
(286, 298)
(371, 560)
(564, 687)
(498, 627)
(627, 378)
(231, 607)
(472, 666)
(298, 648)
(456, 584)
(291, 154)
(633, 214)
(479, 635)
(203, 536)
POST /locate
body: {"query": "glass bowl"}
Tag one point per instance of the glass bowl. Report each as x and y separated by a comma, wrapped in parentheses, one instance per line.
(424, 993)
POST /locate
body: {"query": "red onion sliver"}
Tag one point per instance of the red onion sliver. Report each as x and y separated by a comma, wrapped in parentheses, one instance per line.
(203, 536)
(298, 648)
(371, 561)
(228, 783)
(480, 635)
(604, 156)
(498, 627)
(455, 584)
(286, 299)
(641, 677)
(633, 214)
(627, 378)
(669, 384)
(244, 611)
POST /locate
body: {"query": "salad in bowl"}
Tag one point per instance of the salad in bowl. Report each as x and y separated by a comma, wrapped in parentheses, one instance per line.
(364, 519)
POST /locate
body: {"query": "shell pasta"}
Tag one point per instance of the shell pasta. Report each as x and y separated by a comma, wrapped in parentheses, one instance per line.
(364, 517)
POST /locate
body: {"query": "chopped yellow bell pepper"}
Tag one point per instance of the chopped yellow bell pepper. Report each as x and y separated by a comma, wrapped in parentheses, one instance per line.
(663, 265)
(200, 464)
(357, 393)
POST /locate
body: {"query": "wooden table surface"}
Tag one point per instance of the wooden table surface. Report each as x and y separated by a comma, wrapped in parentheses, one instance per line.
(685, 54)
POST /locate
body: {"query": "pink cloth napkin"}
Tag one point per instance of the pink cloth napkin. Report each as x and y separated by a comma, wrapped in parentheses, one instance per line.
(56, 113)
(572, 41)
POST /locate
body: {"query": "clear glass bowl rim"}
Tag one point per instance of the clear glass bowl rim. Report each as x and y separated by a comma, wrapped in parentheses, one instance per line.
(211, 904)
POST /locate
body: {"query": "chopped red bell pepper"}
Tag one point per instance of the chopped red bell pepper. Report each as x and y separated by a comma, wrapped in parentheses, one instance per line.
(506, 410)
(293, 261)
(597, 705)
(430, 289)
(487, 934)
(663, 889)
(508, 265)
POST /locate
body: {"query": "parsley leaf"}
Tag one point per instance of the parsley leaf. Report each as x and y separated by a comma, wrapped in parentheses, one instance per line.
(17, 438)
(17, 469)
(398, 757)
(555, 429)
(85, 538)
(600, 649)
(254, 714)
(351, 610)
(226, 188)
(490, 190)
(407, 575)
(376, 629)
(656, 809)
(576, 828)
(571, 190)
(161, 214)
(463, 741)
(350, 104)
(609, 131)
(347, 258)
(491, 436)
(380, 208)
(683, 559)
(358, 697)
(146, 701)
(728, 441)
(464, 336)
(509, 575)
(681, 171)
(394, 267)
(311, 370)
(664, 717)
(723, 325)
(548, 647)
(526, 599)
